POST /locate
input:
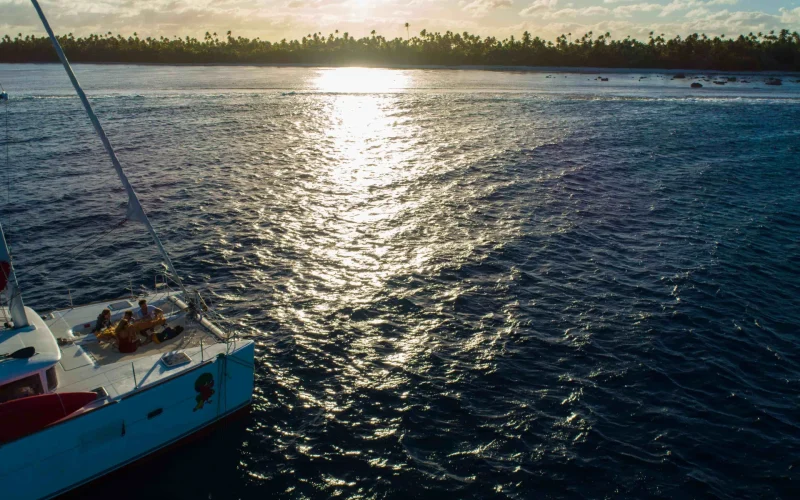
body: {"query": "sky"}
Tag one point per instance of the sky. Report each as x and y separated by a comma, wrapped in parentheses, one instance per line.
(292, 19)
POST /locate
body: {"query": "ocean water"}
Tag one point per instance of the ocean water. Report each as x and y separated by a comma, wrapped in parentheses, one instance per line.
(462, 284)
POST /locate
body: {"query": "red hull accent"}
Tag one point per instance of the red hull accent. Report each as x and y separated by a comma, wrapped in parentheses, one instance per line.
(24, 416)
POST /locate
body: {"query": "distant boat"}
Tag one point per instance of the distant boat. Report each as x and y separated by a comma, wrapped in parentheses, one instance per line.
(73, 409)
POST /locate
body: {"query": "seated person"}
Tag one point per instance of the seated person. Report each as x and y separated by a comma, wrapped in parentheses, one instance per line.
(126, 336)
(103, 321)
(147, 312)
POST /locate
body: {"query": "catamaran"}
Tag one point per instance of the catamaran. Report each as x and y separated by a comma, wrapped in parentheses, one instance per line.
(74, 408)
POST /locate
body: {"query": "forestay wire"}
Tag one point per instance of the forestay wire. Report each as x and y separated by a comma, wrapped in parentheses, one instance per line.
(5, 316)
(135, 210)
(4, 102)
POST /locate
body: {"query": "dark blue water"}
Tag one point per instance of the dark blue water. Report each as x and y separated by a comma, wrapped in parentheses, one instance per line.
(462, 284)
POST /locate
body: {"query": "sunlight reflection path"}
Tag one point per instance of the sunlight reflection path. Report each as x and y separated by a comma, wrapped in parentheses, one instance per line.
(382, 193)
(361, 80)
(372, 161)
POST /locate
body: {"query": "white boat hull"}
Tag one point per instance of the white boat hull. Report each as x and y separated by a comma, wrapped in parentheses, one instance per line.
(154, 386)
(85, 447)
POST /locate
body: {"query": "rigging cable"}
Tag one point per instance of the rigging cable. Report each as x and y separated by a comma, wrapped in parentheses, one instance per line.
(74, 249)
(71, 252)
(4, 99)
(6, 318)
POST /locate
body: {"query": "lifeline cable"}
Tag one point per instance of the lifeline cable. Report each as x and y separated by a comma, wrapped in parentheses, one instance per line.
(4, 99)
(73, 251)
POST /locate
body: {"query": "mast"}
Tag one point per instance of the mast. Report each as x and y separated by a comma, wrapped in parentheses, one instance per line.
(135, 209)
(8, 282)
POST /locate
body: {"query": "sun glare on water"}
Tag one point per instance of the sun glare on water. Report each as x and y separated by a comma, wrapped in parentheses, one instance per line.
(361, 80)
(368, 158)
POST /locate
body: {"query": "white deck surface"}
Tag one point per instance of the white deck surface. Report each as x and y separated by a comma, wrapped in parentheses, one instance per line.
(86, 364)
(35, 335)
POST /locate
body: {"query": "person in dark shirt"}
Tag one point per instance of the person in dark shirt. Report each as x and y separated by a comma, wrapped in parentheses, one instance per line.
(103, 321)
(167, 334)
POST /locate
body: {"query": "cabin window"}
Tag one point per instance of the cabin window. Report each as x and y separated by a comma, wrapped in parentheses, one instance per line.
(28, 386)
(52, 379)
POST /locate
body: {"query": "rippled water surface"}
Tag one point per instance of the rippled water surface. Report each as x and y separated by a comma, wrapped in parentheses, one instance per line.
(462, 284)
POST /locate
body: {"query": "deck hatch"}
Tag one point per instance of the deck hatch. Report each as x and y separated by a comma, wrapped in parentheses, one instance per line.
(120, 305)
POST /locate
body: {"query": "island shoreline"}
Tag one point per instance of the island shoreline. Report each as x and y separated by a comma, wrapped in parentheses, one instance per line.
(486, 67)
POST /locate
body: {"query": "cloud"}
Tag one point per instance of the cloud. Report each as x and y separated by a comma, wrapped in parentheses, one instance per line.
(545, 9)
(697, 13)
(790, 16)
(629, 10)
(315, 4)
(277, 19)
(676, 5)
(730, 23)
(251, 18)
(593, 11)
(483, 7)
(538, 6)
(586, 11)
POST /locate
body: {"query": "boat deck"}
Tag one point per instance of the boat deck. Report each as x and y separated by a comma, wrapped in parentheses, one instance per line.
(79, 321)
(106, 353)
(87, 364)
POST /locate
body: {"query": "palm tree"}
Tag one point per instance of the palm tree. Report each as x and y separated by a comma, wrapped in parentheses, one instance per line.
(408, 35)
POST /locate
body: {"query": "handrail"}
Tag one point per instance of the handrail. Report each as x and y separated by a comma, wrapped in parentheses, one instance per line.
(179, 373)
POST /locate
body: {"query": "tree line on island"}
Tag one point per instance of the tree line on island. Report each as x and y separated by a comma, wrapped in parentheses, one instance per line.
(751, 52)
